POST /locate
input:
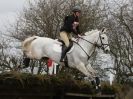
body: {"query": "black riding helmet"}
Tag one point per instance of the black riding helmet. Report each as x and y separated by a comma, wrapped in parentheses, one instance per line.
(76, 9)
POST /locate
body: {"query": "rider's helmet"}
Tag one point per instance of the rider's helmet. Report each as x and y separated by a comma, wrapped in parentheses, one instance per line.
(76, 9)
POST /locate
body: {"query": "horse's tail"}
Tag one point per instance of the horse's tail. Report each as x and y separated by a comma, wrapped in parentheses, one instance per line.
(26, 43)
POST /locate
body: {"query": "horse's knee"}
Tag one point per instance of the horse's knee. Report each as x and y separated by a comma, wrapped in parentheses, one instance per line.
(91, 70)
(81, 67)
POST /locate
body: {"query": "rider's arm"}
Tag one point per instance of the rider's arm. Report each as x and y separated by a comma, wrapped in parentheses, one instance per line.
(77, 31)
(68, 23)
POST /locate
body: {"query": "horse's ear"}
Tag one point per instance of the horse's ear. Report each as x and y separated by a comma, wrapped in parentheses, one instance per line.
(103, 30)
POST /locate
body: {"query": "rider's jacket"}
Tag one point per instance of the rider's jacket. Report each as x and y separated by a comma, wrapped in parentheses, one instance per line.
(68, 25)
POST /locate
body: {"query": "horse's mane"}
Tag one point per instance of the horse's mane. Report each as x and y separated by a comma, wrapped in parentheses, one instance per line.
(91, 32)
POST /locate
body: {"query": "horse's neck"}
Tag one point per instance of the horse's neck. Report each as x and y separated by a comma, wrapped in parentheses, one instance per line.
(93, 38)
(89, 42)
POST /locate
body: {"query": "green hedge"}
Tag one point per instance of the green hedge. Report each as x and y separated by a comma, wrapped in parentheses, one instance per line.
(57, 83)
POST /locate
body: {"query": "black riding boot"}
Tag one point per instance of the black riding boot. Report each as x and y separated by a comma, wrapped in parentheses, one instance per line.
(64, 51)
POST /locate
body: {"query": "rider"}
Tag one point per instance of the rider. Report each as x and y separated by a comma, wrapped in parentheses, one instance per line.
(71, 25)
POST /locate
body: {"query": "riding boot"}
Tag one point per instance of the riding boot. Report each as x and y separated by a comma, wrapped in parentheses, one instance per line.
(64, 51)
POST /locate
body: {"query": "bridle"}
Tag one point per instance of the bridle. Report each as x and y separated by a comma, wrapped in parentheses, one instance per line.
(102, 46)
(95, 44)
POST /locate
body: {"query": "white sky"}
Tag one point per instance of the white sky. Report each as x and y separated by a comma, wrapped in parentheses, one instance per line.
(9, 10)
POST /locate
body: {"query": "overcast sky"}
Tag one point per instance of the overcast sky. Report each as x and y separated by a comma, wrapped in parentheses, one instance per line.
(9, 10)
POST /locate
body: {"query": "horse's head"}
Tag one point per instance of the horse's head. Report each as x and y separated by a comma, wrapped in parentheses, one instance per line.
(103, 40)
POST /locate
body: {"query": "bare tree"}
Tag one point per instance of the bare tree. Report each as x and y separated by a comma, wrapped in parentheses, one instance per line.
(121, 33)
(45, 17)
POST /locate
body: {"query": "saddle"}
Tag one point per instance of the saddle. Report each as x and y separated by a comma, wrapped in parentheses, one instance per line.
(63, 45)
(66, 49)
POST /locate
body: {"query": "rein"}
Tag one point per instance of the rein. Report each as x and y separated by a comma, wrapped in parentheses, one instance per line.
(87, 41)
(102, 45)
(83, 48)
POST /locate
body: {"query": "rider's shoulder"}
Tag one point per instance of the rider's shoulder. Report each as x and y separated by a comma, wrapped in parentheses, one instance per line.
(67, 17)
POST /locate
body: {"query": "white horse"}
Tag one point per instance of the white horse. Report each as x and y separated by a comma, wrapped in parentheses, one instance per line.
(38, 47)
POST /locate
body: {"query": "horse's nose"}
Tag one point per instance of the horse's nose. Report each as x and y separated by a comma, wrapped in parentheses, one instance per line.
(107, 51)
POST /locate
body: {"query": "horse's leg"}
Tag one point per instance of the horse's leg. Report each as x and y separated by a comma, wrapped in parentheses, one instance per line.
(26, 62)
(91, 70)
(81, 67)
(96, 83)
